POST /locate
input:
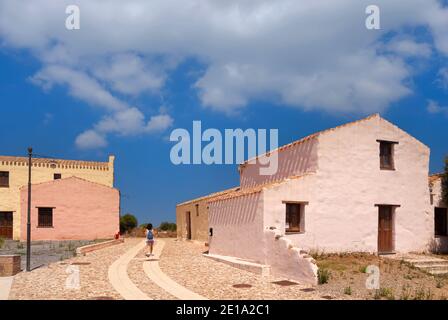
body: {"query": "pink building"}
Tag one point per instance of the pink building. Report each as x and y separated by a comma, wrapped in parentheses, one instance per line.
(360, 187)
(71, 209)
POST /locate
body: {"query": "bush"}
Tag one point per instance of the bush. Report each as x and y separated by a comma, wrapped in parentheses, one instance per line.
(127, 223)
(348, 291)
(167, 226)
(323, 275)
(2, 242)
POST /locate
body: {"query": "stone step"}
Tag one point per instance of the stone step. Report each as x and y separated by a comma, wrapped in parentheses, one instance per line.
(425, 262)
(439, 272)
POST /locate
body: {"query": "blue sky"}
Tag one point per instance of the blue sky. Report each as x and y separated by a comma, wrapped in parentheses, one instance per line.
(252, 67)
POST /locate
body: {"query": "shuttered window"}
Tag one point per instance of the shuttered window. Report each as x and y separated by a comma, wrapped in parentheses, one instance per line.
(294, 217)
(386, 155)
(45, 218)
(440, 221)
(4, 179)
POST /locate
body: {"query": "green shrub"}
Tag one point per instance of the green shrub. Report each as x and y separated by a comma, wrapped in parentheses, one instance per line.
(323, 275)
(386, 293)
(348, 291)
(2, 242)
(127, 223)
(168, 226)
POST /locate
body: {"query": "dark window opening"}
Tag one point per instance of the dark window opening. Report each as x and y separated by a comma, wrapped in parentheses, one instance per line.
(4, 179)
(57, 176)
(294, 217)
(440, 221)
(387, 155)
(45, 217)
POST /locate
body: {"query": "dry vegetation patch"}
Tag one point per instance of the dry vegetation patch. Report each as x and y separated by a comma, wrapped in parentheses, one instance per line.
(342, 275)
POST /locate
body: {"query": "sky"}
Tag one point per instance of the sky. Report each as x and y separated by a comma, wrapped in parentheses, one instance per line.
(137, 70)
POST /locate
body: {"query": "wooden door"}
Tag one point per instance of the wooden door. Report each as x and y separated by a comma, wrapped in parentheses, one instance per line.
(6, 225)
(385, 229)
(188, 221)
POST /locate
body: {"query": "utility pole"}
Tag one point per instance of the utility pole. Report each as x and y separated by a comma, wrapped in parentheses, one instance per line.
(28, 225)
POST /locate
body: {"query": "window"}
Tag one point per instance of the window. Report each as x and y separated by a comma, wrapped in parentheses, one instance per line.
(45, 218)
(294, 217)
(57, 176)
(4, 179)
(197, 209)
(440, 221)
(387, 155)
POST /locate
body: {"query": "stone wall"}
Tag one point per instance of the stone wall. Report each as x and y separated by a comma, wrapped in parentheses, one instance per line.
(9, 265)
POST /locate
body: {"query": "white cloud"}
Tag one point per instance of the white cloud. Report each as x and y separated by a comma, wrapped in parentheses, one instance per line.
(434, 108)
(80, 86)
(159, 123)
(305, 54)
(90, 139)
(443, 77)
(127, 74)
(410, 48)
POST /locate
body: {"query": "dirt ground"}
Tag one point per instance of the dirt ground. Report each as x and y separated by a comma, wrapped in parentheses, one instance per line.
(398, 280)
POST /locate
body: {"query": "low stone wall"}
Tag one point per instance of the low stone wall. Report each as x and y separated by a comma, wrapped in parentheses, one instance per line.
(288, 261)
(97, 246)
(9, 265)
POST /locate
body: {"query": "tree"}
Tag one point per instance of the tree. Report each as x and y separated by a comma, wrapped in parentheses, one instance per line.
(168, 226)
(445, 183)
(127, 223)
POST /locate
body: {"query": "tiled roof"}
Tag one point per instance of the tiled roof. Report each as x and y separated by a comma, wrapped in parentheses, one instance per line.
(255, 189)
(210, 196)
(434, 177)
(8, 160)
(311, 136)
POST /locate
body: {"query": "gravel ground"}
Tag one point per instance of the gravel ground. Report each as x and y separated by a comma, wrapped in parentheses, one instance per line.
(49, 282)
(43, 252)
(184, 263)
(141, 280)
(398, 280)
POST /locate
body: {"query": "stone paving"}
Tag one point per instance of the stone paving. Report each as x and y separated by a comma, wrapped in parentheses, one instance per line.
(183, 262)
(180, 264)
(49, 282)
(43, 252)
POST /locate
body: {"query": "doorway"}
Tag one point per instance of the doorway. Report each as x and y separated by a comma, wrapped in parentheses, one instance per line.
(188, 224)
(385, 229)
(6, 225)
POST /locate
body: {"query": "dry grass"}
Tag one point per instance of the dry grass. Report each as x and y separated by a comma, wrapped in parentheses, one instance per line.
(398, 280)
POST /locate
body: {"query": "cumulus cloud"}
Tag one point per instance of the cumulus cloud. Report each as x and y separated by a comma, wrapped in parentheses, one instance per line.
(434, 108)
(443, 77)
(80, 86)
(90, 139)
(304, 54)
(410, 48)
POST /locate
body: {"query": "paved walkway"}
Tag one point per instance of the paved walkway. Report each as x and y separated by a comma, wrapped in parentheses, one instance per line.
(5, 287)
(152, 270)
(119, 279)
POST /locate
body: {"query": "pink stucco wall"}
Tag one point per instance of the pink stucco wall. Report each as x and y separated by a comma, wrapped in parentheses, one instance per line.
(83, 210)
(295, 159)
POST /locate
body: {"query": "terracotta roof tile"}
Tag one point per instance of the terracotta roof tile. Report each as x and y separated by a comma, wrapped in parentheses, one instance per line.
(434, 177)
(210, 196)
(256, 189)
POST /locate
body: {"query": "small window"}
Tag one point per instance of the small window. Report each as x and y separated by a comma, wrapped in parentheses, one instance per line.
(387, 155)
(294, 217)
(4, 179)
(45, 219)
(57, 176)
(197, 210)
(440, 221)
